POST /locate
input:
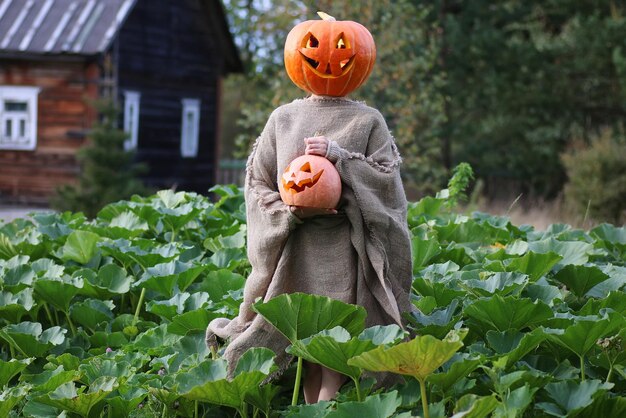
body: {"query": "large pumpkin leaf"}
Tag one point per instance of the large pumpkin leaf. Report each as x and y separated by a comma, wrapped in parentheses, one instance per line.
(14, 306)
(580, 279)
(10, 397)
(473, 406)
(59, 292)
(332, 349)
(376, 406)
(458, 367)
(582, 335)
(533, 264)
(91, 312)
(299, 315)
(515, 402)
(166, 278)
(78, 400)
(17, 278)
(126, 399)
(49, 380)
(144, 252)
(80, 246)
(28, 338)
(8, 369)
(109, 281)
(418, 357)
(508, 313)
(570, 396)
(207, 382)
(514, 344)
(572, 252)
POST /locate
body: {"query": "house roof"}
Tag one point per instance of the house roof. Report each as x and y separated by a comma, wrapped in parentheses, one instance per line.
(81, 27)
(84, 27)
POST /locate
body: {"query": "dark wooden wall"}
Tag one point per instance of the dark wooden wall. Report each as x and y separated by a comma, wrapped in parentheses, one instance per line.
(64, 115)
(167, 50)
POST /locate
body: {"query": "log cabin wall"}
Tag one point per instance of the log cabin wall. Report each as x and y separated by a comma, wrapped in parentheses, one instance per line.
(64, 117)
(176, 56)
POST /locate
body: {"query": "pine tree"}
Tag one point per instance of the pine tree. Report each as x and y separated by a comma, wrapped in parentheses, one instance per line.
(107, 174)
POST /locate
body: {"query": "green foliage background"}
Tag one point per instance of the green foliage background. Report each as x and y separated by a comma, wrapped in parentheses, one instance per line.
(503, 85)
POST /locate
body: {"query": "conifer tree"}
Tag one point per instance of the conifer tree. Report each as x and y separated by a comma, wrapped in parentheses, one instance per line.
(107, 174)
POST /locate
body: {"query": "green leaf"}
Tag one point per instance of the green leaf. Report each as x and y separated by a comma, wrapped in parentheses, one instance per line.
(580, 279)
(59, 292)
(166, 278)
(144, 252)
(418, 357)
(81, 402)
(97, 367)
(581, 336)
(316, 410)
(332, 349)
(207, 382)
(423, 250)
(8, 369)
(17, 278)
(14, 306)
(126, 399)
(376, 406)
(192, 322)
(515, 402)
(28, 338)
(458, 367)
(91, 312)
(298, 315)
(473, 406)
(438, 323)
(499, 283)
(604, 407)
(572, 252)
(533, 264)
(130, 222)
(10, 397)
(441, 292)
(80, 246)
(570, 396)
(111, 280)
(218, 283)
(514, 344)
(153, 340)
(49, 380)
(508, 313)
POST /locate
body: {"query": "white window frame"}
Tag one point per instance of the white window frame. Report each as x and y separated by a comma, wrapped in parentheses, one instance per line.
(190, 128)
(132, 100)
(17, 119)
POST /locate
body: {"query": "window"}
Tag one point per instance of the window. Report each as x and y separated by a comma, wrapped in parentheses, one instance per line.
(190, 128)
(18, 117)
(131, 118)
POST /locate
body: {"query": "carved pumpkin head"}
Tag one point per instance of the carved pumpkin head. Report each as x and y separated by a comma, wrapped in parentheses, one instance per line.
(329, 57)
(310, 181)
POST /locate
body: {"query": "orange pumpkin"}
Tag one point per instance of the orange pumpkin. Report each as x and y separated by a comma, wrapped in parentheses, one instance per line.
(311, 181)
(329, 57)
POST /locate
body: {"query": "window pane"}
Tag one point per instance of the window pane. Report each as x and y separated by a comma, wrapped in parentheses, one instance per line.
(11, 106)
(22, 128)
(8, 128)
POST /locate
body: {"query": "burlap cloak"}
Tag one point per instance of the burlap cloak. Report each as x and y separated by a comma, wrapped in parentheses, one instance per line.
(362, 255)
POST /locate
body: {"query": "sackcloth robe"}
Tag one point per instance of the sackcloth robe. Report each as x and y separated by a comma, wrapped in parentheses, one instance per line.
(362, 255)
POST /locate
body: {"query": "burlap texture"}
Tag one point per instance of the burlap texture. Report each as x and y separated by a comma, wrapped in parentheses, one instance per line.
(362, 255)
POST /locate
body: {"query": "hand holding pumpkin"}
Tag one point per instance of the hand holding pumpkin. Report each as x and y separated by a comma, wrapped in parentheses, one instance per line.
(317, 145)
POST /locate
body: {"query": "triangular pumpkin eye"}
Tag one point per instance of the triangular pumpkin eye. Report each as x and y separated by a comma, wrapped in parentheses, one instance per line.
(341, 42)
(310, 41)
(306, 168)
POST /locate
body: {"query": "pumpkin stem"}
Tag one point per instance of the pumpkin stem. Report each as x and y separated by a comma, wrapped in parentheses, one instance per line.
(326, 17)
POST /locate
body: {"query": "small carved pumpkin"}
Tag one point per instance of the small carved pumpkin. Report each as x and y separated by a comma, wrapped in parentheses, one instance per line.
(311, 181)
(329, 57)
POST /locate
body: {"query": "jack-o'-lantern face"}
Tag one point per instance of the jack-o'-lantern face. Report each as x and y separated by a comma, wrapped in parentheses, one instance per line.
(311, 181)
(329, 57)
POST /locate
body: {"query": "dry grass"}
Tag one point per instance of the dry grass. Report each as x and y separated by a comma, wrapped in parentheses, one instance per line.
(536, 212)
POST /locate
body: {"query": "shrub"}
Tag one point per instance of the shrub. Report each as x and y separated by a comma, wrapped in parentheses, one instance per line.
(597, 178)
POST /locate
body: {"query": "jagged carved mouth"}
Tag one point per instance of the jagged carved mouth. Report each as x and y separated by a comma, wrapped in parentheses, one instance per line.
(296, 184)
(314, 65)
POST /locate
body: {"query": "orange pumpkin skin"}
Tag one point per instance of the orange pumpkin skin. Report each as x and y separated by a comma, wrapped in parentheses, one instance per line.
(311, 181)
(330, 58)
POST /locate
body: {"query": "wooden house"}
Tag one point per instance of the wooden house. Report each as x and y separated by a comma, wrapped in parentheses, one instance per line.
(161, 60)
